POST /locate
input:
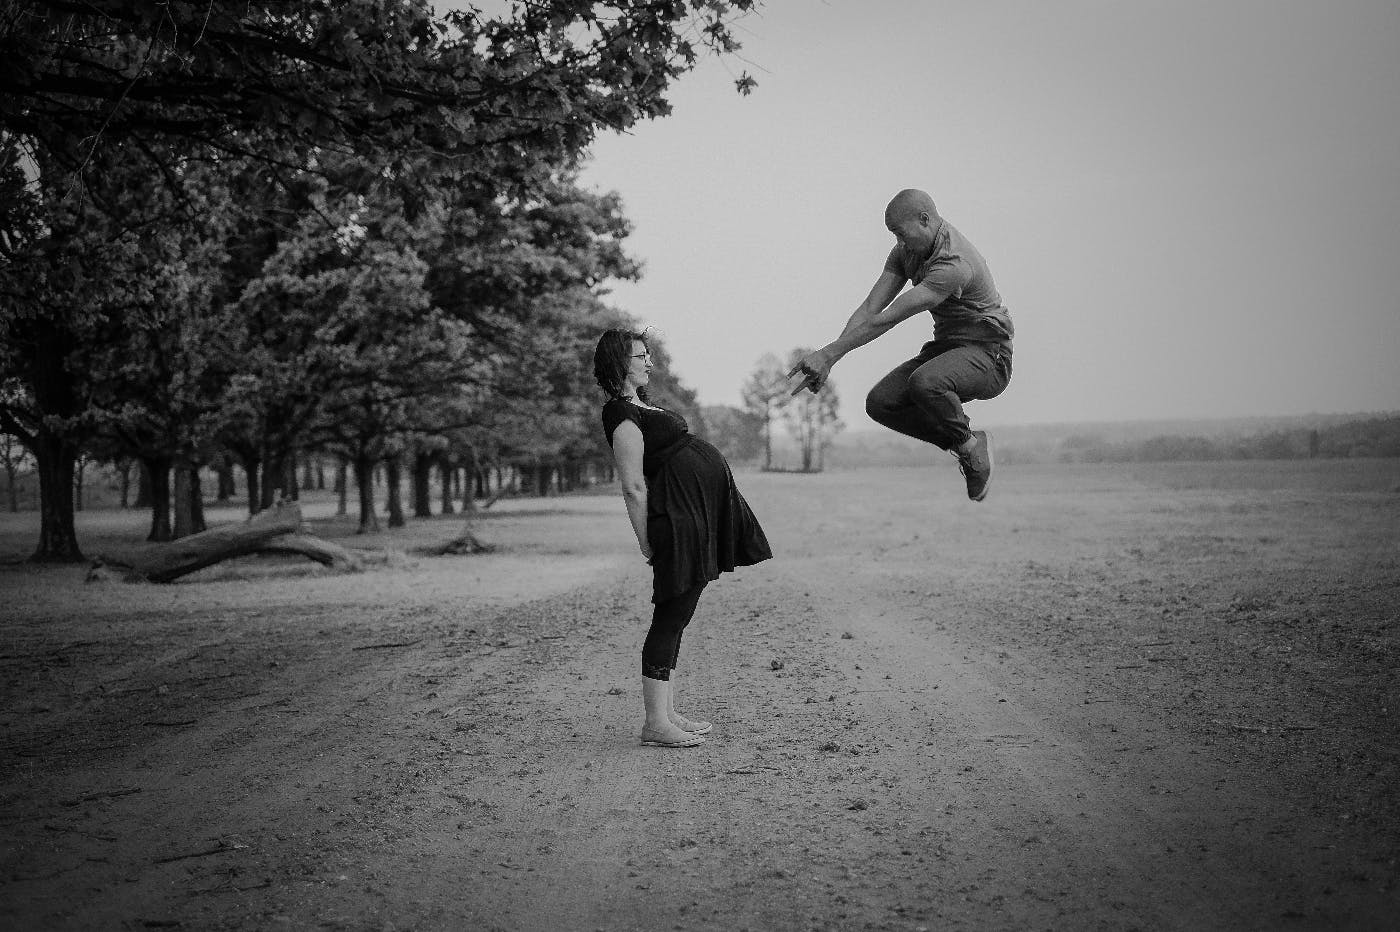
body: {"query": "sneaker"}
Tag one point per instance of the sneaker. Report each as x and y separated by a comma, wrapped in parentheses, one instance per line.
(976, 465)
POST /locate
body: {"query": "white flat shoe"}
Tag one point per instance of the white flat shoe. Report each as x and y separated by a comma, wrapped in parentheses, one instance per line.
(656, 739)
(695, 728)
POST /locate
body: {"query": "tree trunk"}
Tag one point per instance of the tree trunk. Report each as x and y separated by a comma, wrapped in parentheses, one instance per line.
(188, 504)
(308, 474)
(159, 470)
(12, 493)
(180, 502)
(272, 476)
(364, 482)
(252, 472)
(470, 475)
(320, 475)
(143, 486)
(392, 476)
(290, 487)
(223, 469)
(58, 539)
(422, 485)
(342, 488)
(124, 471)
(767, 436)
(55, 450)
(79, 471)
(197, 501)
(446, 474)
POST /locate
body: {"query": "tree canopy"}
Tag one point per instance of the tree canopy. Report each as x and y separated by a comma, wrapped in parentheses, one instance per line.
(387, 79)
(268, 226)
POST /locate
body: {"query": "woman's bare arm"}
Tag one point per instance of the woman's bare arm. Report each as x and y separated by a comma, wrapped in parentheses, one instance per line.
(628, 447)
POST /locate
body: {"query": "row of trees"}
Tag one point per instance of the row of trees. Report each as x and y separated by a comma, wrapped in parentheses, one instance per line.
(1364, 437)
(259, 230)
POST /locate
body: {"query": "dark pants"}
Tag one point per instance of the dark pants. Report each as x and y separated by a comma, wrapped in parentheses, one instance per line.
(663, 644)
(924, 397)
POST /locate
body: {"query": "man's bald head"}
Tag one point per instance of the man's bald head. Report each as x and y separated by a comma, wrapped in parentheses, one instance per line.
(908, 204)
(914, 221)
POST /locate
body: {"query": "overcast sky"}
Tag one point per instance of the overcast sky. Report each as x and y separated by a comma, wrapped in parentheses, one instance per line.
(1191, 207)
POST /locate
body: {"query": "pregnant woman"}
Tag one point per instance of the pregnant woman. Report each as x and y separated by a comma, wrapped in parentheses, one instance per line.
(690, 520)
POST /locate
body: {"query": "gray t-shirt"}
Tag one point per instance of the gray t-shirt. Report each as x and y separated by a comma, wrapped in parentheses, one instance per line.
(971, 308)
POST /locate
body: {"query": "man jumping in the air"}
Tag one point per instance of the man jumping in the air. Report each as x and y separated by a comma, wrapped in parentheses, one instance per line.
(969, 356)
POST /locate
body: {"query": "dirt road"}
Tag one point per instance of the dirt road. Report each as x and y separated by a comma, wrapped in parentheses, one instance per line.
(1118, 698)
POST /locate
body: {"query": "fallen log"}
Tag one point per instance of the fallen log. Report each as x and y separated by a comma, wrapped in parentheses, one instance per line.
(276, 530)
(167, 562)
(322, 551)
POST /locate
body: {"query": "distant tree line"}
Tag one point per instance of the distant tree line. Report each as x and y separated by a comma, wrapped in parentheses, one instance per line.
(276, 236)
(1371, 437)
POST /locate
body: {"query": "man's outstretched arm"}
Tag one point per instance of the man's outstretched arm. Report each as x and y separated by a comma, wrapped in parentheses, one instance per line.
(880, 311)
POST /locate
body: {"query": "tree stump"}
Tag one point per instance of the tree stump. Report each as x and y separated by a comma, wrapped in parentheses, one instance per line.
(464, 543)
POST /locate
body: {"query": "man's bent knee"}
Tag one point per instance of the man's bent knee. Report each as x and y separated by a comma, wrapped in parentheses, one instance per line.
(879, 406)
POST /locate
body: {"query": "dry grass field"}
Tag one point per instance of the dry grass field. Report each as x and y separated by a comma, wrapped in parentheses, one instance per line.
(1109, 697)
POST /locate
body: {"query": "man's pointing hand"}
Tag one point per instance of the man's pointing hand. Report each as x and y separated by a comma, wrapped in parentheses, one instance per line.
(814, 367)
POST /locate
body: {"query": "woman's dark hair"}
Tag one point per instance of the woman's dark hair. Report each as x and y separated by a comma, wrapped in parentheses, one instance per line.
(611, 360)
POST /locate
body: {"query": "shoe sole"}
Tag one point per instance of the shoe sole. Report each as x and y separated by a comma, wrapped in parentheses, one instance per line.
(683, 743)
(673, 744)
(990, 466)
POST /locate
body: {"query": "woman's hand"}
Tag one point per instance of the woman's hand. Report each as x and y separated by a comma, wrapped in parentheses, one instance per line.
(646, 552)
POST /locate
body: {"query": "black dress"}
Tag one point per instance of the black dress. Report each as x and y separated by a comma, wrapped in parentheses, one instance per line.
(698, 525)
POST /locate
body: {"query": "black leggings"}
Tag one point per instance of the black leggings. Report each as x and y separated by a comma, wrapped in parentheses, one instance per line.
(663, 644)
